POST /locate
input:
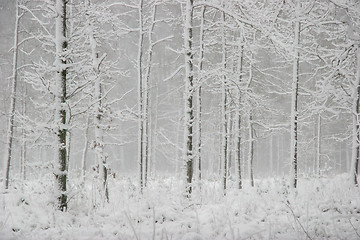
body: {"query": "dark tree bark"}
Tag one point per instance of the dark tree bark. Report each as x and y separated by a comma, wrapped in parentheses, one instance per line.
(188, 95)
(60, 98)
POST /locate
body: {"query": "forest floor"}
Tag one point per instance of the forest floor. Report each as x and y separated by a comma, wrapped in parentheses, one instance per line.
(322, 208)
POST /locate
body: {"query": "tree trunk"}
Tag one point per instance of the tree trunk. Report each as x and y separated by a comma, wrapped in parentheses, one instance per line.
(238, 146)
(250, 126)
(99, 139)
(294, 102)
(23, 133)
(177, 151)
(101, 157)
(140, 98)
(224, 137)
(60, 98)
(188, 96)
(230, 142)
(85, 150)
(238, 114)
(10, 131)
(199, 143)
(68, 148)
(154, 135)
(198, 93)
(251, 149)
(146, 106)
(354, 168)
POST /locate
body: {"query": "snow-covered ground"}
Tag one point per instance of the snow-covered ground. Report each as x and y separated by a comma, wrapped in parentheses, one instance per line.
(325, 208)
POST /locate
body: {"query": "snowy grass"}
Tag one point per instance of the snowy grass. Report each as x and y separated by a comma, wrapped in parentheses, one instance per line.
(323, 208)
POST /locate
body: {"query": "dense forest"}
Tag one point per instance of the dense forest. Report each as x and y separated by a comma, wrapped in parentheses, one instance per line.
(108, 103)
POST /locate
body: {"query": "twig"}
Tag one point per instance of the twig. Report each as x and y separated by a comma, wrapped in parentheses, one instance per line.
(302, 227)
(354, 228)
(132, 227)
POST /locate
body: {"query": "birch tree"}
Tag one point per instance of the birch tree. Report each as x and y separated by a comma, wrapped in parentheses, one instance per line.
(99, 109)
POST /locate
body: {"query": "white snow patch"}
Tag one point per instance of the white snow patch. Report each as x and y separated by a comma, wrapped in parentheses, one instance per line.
(325, 208)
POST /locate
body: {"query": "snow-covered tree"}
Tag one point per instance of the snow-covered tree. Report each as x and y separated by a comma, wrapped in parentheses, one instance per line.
(346, 74)
(60, 94)
(12, 109)
(188, 94)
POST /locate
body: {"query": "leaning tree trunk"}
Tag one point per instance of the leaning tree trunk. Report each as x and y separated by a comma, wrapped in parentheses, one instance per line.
(10, 132)
(188, 96)
(60, 101)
